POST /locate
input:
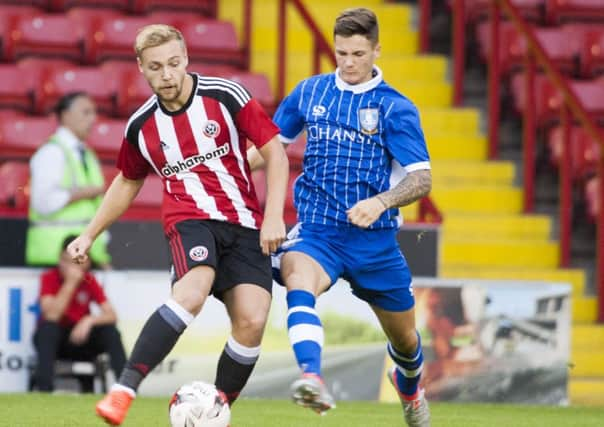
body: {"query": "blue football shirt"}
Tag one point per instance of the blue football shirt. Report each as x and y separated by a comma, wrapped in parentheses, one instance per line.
(361, 140)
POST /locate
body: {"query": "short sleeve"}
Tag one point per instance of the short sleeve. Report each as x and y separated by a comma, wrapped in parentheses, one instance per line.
(255, 124)
(405, 138)
(49, 283)
(131, 162)
(97, 293)
(288, 116)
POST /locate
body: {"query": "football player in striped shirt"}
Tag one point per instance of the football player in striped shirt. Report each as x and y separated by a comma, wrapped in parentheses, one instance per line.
(365, 157)
(193, 133)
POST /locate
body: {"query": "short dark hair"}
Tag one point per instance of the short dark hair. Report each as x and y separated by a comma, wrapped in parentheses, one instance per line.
(67, 241)
(65, 102)
(359, 21)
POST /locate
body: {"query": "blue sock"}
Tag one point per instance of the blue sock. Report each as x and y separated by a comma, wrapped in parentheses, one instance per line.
(409, 368)
(304, 330)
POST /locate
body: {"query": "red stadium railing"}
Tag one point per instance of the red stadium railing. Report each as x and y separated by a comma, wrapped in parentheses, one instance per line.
(571, 109)
(427, 209)
(321, 46)
(246, 32)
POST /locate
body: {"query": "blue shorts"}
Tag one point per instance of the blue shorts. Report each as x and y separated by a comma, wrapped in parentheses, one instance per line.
(370, 260)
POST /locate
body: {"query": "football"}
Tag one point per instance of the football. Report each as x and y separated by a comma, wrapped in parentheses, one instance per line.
(199, 404)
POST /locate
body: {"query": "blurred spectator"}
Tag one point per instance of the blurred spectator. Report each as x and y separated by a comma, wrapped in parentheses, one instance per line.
(66, 185)
(67, 329)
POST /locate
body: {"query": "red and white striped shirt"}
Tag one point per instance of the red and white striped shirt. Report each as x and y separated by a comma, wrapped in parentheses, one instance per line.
(200, 152)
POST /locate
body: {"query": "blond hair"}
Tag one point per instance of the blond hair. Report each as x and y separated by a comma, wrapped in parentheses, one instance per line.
(156, 35)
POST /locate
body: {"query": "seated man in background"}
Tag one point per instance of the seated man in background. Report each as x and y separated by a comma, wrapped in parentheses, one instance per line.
(67, 329)
(66, 185)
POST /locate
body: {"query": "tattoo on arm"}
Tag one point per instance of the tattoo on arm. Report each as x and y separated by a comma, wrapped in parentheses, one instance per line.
(413, 187)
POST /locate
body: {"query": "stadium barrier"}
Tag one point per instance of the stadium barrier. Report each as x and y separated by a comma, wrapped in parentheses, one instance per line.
(494, 341)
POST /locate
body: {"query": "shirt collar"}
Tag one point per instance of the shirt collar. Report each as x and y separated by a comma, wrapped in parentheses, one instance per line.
(361, 87)
(68, 138)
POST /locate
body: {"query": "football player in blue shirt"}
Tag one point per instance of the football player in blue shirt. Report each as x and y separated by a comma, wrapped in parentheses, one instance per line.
(365, 157)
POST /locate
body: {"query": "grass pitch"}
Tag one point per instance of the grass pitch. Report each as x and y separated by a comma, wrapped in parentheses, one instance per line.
(32, 410)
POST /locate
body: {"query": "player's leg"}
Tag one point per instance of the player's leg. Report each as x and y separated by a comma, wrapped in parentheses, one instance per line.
(244, 284)
(404, 348)
(242, 348)
(384, 281)
(308, 269)
(194, 258)
(157, 338)
(305, 281)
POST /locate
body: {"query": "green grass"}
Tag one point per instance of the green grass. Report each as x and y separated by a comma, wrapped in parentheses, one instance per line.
(34, 410)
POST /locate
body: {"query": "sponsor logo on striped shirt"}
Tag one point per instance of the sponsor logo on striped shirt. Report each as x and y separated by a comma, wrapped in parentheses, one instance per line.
(193, 161)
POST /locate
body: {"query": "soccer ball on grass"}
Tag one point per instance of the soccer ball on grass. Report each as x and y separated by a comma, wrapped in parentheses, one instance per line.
(199, 404)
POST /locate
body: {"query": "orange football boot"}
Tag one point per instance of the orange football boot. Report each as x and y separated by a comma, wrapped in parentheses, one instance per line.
(114, 407)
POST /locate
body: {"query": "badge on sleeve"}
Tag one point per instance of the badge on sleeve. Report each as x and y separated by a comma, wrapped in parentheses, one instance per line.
(369, 118)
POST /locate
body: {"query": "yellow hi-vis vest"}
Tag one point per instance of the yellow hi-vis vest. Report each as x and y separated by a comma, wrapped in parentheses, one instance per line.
(46, 233)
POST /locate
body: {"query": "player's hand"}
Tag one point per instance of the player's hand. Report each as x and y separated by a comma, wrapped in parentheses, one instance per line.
(78, 249)
(365, 212)
(80, 332)
(272, 234)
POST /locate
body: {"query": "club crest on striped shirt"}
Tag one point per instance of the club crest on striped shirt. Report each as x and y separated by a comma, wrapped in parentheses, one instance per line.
(211, 129)
(369, 118)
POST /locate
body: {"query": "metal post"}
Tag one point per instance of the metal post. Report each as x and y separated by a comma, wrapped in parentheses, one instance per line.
(281, 40)
(459, 50)
(565, 187)
(494, 82)
(529, 134)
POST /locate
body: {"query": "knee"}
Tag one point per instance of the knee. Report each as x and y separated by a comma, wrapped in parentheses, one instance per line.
(291, 278)
(251, 324)
(192, 302)
(304, 273)
(290, 271)
(406, 342)
(191, 291)
(295, 279)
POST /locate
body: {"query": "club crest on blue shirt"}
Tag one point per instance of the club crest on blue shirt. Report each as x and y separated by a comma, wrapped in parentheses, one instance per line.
(369, 118)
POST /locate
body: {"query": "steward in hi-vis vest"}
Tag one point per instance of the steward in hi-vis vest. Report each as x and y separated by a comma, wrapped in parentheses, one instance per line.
(46, 232)
(66, 186)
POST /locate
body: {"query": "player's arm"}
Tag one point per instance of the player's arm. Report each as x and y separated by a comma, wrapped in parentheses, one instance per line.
(414, 186)
(272, 157)
(261, 130)
(88, 192)
(272, 232)
(118, 197)
(254, 158)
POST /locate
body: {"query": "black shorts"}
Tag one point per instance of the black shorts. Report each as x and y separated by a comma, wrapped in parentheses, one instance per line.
(232, 250)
